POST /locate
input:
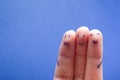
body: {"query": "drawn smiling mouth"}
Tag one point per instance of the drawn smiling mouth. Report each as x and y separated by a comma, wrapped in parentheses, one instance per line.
(95, 41)
(81, 43)
(66, 43)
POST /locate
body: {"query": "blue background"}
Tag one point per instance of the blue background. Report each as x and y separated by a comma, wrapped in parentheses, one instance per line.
(31, 31)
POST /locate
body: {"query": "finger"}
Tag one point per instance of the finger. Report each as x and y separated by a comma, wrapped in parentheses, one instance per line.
(81, 50)
(94, 56)
(64, 66)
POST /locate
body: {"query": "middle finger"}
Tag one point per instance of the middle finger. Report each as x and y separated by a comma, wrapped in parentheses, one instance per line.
(82, 34)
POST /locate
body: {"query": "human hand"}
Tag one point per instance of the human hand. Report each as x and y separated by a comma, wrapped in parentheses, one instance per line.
(80, 55)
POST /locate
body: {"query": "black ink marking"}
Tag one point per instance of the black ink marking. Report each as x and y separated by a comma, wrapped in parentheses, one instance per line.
(98, 34)
(81, 43)
(58, 63)
(66, 43)
(91, 34)
(98, 66)
(69, 35)
(78, 35)
(95, 42)
(83, 35)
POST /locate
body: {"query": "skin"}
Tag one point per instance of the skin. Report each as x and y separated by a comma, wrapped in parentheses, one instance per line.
(80, 55)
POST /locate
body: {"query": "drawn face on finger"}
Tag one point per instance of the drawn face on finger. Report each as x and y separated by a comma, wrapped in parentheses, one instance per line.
(66, 39)
(80, 39)
(95, 37)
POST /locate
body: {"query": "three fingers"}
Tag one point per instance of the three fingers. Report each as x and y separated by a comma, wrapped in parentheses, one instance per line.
(80, 55)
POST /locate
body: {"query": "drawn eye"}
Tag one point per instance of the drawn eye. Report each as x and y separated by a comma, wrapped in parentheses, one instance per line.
(91, 34)
(78, 35)
(83, 35)
(98, 34)
(69, 35)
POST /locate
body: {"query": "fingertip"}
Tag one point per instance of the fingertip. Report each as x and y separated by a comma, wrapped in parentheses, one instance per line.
(68, 38)
(83, 28)
(82, 32)
(95, 43)
(96, 32)
(69, 33)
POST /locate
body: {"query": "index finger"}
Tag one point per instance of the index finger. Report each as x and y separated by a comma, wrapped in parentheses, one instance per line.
(65, 63)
